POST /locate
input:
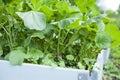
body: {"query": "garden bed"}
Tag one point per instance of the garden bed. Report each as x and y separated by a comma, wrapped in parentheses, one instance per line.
(40, 72)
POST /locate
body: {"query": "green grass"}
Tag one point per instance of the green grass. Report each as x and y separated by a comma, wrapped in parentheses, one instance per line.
(112, 68)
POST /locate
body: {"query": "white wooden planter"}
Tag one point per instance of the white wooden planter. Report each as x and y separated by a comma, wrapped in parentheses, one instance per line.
(41, 72)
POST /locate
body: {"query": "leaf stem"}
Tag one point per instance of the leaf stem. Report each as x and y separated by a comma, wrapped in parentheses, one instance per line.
(58, 46)
(10, 38)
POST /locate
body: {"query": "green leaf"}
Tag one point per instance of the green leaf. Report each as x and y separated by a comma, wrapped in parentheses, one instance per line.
(48, 1)
(115, 44)
(80, 66)
(62, 64)
(38, 34)
(49, 28)
(114, 33)
(62, 7)
(1, 3)
(106, 19)
(89, 61)
(0, 34)
(34, 54)
(93, 20)
(1, 51)
(102, 40)
(20, 6)
(101, 25)
(16, 57)
(73, 9)
(7, 57)
(70, 57)
(81, 4)
(48, 60)
(33, 20)
(27, 41)
(48, 12)
(73, 38)
(84, 32)
(74, 25)
(85, 5)
(78, 15)
(35, 4)
(66, 22)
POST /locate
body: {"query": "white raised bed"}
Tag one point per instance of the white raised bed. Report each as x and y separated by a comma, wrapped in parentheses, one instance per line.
(40, 72)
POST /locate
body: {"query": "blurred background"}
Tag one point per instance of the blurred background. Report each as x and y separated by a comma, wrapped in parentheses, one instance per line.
(111, 8)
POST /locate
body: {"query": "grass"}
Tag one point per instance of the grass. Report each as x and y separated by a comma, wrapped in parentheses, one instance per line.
(112, 68)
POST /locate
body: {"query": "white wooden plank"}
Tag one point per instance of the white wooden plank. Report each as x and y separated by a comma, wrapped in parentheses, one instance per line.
(106, 54)
(98, 67)
(39, 72)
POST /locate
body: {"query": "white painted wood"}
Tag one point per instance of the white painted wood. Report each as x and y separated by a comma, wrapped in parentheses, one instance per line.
(106, 54)
(98, 67)
(39, 72)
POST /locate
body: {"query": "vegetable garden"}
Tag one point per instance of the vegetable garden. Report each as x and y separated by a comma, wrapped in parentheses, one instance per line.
(59, 33)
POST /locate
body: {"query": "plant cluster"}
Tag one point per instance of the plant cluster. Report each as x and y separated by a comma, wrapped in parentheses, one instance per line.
(65, 33)
(111, 69)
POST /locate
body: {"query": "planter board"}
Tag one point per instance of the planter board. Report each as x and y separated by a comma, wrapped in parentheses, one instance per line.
(40, 72)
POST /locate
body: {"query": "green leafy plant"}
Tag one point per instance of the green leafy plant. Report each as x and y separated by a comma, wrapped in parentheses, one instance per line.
(61, 33)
